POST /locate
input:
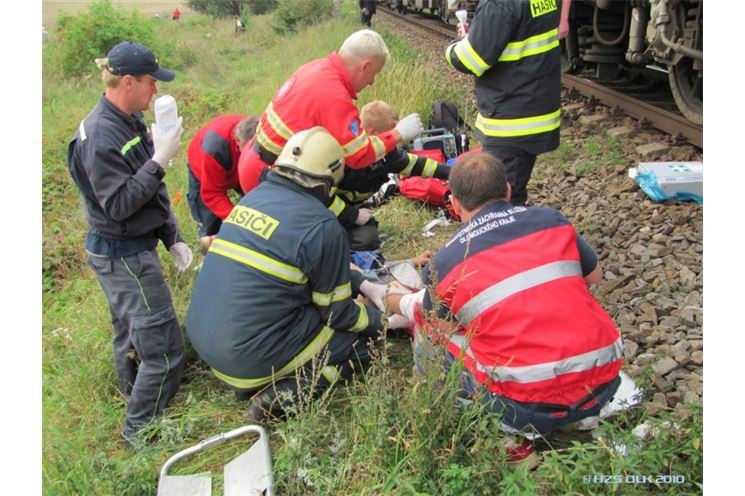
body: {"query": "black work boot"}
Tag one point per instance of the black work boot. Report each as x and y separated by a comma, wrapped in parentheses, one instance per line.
(272, 401)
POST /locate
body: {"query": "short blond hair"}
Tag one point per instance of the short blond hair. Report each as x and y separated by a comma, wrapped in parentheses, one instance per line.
(378, 117)
(362, 44)
(110, 79)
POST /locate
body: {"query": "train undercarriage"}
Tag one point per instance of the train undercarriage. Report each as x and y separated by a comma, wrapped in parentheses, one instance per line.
(659, 35)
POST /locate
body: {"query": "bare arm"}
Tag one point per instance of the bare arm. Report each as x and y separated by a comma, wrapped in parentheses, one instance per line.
(564, 19)
(595, 276)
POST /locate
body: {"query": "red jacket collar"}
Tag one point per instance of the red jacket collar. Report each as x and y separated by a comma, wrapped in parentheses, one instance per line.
(336, 62)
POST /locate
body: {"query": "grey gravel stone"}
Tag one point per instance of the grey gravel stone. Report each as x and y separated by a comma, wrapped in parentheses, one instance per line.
(665, 365)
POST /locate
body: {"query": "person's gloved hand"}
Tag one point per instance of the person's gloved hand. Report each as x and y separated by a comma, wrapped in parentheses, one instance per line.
(410, 127)
(166, 144)
(397, 321)
(375, 293)
(182, 255)
(363, 215)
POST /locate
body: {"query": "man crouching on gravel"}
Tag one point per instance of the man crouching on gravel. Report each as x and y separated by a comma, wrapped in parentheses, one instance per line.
(509, 293)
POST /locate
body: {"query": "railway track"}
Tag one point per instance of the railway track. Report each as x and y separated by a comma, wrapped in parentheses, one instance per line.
(651, 253)
(634, 105)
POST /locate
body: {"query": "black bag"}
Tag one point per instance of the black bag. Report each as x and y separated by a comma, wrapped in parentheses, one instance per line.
(444, 114)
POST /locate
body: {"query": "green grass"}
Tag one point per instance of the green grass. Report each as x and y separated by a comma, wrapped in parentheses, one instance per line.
(385, 434)
(583, 158)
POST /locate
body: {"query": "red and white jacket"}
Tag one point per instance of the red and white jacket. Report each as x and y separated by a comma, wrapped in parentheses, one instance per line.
(529, 328)
(319, 93)
(213, 158)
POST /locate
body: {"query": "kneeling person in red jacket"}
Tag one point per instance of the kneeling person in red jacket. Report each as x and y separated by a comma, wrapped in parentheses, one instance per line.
(213, 156)
(508, 299)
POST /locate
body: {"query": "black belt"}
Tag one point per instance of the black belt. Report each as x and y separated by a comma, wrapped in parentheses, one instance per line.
(265, 155)
(550, 407)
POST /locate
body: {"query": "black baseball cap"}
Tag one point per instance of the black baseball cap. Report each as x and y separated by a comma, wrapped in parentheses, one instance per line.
(132, 58)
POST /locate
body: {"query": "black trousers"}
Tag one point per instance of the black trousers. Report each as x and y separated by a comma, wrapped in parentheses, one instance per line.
(366, 19)
(365, 237)
(519, 166)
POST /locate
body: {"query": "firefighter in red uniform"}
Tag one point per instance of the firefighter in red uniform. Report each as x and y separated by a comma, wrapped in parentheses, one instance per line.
(322, 93)
(508, 294)
(213, 155)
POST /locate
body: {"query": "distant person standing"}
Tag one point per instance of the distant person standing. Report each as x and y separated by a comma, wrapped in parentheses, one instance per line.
(239, 25)
(118, 166)
(367, 11)
(176, 14)
(512, 48)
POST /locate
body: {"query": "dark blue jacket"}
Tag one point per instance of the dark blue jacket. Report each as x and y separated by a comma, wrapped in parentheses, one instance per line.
(125, 200)
(274, 286)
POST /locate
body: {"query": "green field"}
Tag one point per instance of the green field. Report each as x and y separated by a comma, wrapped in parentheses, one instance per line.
(386, 434)
(52, 8)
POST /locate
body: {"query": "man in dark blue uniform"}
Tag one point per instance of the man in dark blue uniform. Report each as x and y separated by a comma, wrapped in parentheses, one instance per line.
(274, 299)
(512, 48)
(119, 168)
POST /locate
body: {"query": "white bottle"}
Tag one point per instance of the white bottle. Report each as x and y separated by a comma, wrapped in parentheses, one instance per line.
(166, 113)
(462, 15)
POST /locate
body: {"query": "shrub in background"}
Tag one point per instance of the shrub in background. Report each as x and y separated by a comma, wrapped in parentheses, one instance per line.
(92, 34)
(291, 15)
(229, 8)
(259, 7)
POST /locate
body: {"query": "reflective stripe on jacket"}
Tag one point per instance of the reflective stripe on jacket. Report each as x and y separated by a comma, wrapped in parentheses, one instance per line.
(512, 48)
(274, 287)
(320, 93)
(360, 184)
(532, 331)
(124, 196)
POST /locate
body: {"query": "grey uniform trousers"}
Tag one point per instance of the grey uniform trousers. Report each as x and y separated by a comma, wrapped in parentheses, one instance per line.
(144, 320)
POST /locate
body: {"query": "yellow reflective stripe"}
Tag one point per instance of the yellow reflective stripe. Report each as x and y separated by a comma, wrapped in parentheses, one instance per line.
(412, 161)
(337, 206)
(429, 168)
(331, 373)
(355, 196)
(258, 261)
(534, 45)
(379, 147)
(337, 294)
(449, 54)
(362, 321)
(277, 123)
(313, 349)
(267, 143)
(356, 144)
(130, 144)
(468, 56)
(523, 126)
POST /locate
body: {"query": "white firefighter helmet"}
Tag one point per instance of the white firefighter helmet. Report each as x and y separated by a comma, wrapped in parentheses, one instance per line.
(315, 153)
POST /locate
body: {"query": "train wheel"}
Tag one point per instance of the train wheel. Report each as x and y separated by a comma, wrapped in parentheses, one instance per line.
(687, 86)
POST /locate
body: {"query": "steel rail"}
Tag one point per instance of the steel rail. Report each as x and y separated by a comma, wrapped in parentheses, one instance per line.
(668, 122)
